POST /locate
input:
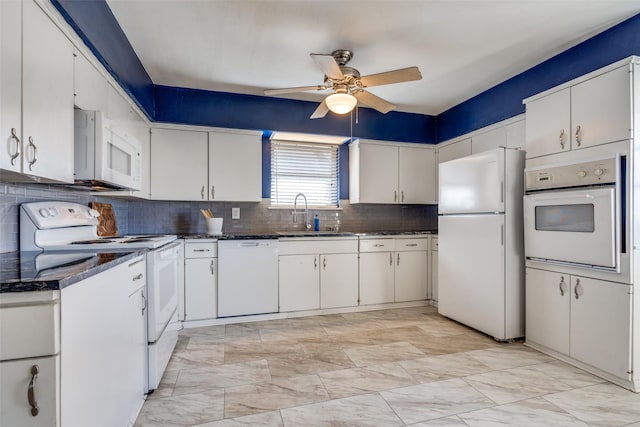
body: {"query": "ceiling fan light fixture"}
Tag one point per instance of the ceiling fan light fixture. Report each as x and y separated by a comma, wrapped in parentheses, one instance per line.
(341, 103)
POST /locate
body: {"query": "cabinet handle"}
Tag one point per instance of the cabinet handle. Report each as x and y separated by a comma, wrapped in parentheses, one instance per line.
(402, 196)
(138, 277)
(144, 301)
(202, 192)
(378, 245)
(411, 245)
(315, 263)
(578, 135)
(201, 250)
(35, 153)
(562, 138)
(395, 196)
(562, 286)
(390, 258)
(211, 268)
(31, 394)
(15, 138)
(578, 289)
(324, 263)
(398, 259)
(213, 192)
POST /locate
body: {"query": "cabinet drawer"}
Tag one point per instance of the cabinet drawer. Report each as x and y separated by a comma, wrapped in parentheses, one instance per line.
(412, 244)
(317, 245)
(16, 376)
(377, 245)
(201, 250)
(29, 331)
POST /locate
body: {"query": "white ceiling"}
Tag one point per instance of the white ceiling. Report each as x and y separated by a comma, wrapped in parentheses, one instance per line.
(461, 47)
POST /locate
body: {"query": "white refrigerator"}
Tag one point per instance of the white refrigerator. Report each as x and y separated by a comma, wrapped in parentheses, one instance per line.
(481, 248)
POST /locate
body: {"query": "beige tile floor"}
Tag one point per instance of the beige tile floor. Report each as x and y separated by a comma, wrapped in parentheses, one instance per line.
(400, 367)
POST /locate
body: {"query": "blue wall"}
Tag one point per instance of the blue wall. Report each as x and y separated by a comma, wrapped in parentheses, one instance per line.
(505, 100)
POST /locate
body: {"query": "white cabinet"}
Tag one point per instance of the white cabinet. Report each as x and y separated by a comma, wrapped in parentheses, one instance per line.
(195, 165)
(36, 127)
(235, 166)
(393, 269)
(318, 272)
(90, 88)
(200, 280)
(299, 282)
(454, 151)
(586, 319)
(592, 110)
(103, 350)
(433, 294)
(510, 136)
(339, 280)
(29, 359)
(179, 165)
(390, 173)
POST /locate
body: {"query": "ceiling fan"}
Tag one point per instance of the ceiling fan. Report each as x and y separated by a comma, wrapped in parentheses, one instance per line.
(348, 86)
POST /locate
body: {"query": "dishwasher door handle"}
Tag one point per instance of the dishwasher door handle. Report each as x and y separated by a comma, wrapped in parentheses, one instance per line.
(249, 245)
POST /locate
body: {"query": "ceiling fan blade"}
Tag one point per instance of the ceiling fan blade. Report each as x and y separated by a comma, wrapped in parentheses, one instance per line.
(293, 90)
(373, 101)
(396, 76)
(321, 111)
(328, 65)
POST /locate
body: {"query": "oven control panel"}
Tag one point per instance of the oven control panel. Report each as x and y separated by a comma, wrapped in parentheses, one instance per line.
(596, 172)
(58, 214)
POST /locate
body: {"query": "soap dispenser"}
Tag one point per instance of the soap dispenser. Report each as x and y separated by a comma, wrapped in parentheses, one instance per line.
(316, 223)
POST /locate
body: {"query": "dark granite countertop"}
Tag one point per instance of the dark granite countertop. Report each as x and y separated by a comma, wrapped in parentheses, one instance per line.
(47, 271)
(293, 233)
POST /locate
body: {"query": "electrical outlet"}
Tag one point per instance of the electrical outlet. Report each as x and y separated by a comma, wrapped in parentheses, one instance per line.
(235, 213)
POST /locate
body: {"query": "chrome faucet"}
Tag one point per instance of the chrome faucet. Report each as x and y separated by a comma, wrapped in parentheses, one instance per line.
(295, 212)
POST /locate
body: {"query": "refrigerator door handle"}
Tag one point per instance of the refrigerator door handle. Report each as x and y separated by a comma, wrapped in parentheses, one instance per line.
(501, 191)
(502, 234)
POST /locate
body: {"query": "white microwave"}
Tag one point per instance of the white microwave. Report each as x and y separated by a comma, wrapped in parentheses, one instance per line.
(106, 155)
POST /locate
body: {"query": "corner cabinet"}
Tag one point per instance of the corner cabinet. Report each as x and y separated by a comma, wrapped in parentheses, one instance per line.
(591, 110)
(217, 165)
(391, 173)
(36, 127)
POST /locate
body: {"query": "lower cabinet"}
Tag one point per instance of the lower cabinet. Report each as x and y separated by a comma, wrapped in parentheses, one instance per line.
(318, 273)
(200, 280)
(393, 270)
(586, 319)
(433, 295)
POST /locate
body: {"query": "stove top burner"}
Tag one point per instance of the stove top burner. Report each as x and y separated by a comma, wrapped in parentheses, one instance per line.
(90, 242)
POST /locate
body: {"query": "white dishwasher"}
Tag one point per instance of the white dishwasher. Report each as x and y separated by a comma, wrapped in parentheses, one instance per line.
(247, 277)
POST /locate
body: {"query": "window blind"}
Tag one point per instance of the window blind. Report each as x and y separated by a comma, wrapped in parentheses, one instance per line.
(300, 167)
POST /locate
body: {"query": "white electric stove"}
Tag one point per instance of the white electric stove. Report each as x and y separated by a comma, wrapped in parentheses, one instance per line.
(59, 227)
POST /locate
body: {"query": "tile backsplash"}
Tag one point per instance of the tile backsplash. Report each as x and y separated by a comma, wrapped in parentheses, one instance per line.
(170, 217)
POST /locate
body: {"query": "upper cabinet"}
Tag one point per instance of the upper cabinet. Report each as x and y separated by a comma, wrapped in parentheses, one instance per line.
(90, 88)
(215, 166)
(392, 173)
(454, 151)
(593, 110)
(38, 142)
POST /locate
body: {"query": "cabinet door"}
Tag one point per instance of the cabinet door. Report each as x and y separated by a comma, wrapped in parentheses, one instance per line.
(454, 151)
(339, 280)
(299, 282)
(17, 376)
(90, 88)
(378, 178)
(417, 175)
(601, 109)
(411, 276)
(10, 85)
(235, 167)
(489, 140)
(200, 301)
(548, 124)
(376, 278)
(47, 97)
(178, 165)
(547, 309)
(601, 325)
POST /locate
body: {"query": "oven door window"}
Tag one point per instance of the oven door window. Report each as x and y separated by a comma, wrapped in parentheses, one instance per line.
(566, 218)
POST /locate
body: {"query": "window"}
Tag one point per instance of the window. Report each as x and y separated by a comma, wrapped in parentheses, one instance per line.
(303, 167)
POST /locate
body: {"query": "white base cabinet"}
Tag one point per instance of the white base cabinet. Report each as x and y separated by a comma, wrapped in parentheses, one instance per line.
(393, 269)
(200, 280)
(104, 349)
(433, 294)
(586, 319)
(317, 273)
